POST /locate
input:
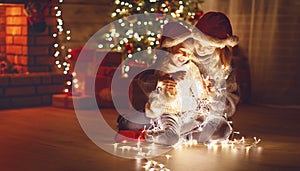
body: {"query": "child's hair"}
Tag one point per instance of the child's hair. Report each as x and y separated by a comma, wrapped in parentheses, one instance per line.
(225, 55)
(163, 53)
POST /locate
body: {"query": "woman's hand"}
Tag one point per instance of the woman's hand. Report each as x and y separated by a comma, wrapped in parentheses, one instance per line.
(208, 84)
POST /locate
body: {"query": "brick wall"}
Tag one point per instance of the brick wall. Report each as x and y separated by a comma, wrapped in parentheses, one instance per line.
(40, 46)
(25, 90)
(32, 51)
(26, 49)
(15, 35)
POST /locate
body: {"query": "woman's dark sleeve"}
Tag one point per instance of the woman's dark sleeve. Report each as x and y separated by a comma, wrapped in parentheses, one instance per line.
(142, 85)
(232, 94)
(147, 81)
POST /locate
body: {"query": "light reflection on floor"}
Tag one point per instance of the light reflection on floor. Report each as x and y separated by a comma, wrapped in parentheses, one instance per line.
(154, 157)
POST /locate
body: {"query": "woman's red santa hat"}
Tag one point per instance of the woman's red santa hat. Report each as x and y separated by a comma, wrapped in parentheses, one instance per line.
(214, 28)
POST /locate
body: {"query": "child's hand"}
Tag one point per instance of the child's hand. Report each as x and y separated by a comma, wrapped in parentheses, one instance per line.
(169, 85)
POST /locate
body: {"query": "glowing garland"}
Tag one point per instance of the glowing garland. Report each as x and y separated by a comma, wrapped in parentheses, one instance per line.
(143, 150)
(62, 52)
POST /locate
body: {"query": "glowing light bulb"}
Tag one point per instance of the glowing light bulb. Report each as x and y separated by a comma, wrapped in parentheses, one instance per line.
(126, 69)
(56, 53)
(113, 14)
(100, 46)
(58, 13)
(75, 80)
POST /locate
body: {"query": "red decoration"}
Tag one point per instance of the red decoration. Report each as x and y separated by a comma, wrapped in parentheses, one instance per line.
(167, 3)
(198, 15)
(36, 12)
(127, 135)
(137, 64)
(129, 47)
(160, 14)
(75, 53)
(88, 53)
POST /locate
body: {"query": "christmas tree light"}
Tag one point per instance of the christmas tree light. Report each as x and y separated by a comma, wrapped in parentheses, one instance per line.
(130, 42)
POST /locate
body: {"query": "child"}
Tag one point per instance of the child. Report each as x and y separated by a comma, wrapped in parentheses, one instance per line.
(172, 88)
(178, 66)
(175, 113)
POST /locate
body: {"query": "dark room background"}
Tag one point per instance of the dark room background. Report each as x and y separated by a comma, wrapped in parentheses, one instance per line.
(269, 32)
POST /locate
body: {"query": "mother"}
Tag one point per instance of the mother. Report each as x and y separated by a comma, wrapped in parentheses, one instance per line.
(213, 51)
(213, 40)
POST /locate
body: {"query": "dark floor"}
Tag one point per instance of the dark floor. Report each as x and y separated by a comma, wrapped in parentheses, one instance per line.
(51, 139)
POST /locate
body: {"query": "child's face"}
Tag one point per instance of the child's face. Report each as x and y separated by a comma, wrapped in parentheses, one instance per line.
(180, 55)
(203, 48)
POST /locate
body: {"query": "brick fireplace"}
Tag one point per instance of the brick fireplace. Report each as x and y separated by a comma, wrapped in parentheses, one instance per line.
(27, 74)
(13, 38)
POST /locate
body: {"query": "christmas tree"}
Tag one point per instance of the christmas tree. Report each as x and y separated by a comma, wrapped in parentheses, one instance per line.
(126, 34)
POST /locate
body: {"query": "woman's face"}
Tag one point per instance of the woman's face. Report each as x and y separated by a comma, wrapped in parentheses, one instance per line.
(203, 48)
(180, 55)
